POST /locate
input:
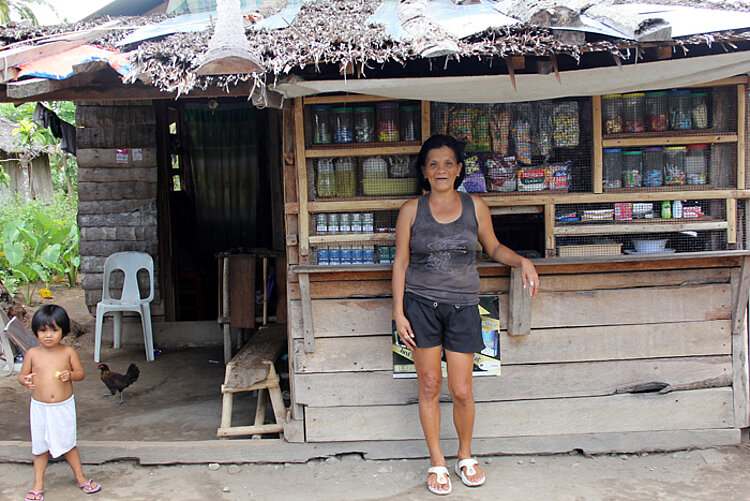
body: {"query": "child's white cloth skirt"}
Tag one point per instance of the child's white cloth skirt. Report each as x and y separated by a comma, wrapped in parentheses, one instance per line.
(53, 426)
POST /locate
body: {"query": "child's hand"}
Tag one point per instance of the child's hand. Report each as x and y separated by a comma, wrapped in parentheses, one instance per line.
(27, 382)
(64, 375)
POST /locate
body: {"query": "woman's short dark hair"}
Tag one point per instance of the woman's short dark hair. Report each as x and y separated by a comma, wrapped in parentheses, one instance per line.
(51, 315)
(438, 141)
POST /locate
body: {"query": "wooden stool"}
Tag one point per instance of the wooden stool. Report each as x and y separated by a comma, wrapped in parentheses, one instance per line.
(252, 369)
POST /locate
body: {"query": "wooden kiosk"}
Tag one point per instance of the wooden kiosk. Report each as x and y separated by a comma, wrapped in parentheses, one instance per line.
(624, 352)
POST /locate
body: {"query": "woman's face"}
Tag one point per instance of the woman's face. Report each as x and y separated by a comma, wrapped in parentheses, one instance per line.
(441, 168)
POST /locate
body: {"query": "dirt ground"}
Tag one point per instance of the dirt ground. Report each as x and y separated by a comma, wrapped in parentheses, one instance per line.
(698, 475)
(176, 397)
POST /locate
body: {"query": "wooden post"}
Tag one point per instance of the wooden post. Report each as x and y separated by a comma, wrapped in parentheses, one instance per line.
(731, 221)
(308, 333)
(225, 311)
(519, 305)
(301, 161)
(597, 156)
(741, 130)
(425, 120)
(740, 366)
(549, 230)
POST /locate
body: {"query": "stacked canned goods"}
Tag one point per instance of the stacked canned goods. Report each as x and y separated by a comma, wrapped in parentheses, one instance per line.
(345, 223)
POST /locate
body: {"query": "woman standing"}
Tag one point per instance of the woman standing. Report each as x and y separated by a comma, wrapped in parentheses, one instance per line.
(436, 293)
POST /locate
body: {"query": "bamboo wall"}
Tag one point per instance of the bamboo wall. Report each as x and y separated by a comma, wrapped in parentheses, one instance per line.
(117, 208)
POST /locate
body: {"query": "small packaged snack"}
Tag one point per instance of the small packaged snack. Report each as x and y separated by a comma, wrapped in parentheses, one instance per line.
(501, 172)
(531, 179)
(481, 130)
(558, 175)
(500, 130)
(567, 127)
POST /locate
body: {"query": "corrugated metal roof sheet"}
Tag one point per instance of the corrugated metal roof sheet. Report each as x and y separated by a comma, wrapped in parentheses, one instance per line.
(125, 8)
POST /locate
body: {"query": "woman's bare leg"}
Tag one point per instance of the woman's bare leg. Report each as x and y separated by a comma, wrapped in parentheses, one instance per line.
(427, 363)
(460, 366)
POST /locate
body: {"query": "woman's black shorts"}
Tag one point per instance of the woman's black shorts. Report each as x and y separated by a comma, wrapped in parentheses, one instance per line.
(457, 328)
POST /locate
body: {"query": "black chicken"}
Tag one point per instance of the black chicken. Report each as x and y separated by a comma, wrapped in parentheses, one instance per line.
(118, 382)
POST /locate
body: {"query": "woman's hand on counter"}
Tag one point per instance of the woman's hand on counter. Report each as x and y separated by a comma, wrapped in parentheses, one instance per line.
(529, 277)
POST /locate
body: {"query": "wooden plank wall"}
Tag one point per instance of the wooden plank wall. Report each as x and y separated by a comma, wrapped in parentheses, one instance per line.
(117, 208)
(596, 339)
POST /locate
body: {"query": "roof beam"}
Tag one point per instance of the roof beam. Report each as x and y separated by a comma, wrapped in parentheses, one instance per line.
(33, 87)
(137, 92)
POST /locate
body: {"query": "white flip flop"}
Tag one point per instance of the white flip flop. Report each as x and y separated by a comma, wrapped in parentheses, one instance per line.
(469, 464)
(443, 477)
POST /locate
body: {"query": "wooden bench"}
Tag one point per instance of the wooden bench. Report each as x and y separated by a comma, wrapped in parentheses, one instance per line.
(252, 369)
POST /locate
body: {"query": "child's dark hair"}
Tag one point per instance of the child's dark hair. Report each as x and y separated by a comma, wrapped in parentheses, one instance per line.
(51, 315)
(438, 141)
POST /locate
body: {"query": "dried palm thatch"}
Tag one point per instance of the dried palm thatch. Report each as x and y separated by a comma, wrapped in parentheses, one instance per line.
(336, 32)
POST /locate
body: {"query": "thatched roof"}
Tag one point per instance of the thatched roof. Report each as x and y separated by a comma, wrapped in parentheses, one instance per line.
(330, 34)
(7, 144)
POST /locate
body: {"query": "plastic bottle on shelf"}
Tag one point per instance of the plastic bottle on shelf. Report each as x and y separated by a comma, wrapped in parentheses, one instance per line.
(321, 227)
(333, 224)
(677, 209)
(666, 209)
(356, 223)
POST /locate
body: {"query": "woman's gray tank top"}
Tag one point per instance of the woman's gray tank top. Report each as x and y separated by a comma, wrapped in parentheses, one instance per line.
(442, 262)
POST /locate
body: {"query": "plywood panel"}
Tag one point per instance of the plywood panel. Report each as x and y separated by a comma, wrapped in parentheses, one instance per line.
(518, 381)
(373, 353)
(697, 409)
(363, 317)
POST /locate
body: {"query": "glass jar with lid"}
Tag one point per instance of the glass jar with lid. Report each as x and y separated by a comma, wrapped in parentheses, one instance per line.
(679, 110)
(344, 175)
(612, 168)
(657, 111)
(321, 121)
(634, 112)
(632, 168)
(343, 125)
(410, 122)
(699, 110)
(674, 165)
(653, 167)
(387, 117)
(696, 164)
(364, 124)
(326, 185)
(612, 113)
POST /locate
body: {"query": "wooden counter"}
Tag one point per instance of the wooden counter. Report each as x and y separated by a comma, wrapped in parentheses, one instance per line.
(606, 334)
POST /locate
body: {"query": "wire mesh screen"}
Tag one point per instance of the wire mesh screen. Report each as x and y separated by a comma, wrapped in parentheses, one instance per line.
(741, 225)
(370, 237)
(372, 176)
(521, 147)
(642, 243)
(641, 227)
(640, 151)
(347, 125)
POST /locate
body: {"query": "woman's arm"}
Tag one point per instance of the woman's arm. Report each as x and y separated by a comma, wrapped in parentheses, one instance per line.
(499, 252)
(400, 263)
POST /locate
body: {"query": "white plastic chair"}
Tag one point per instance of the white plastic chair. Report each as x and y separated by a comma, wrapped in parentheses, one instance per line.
(130, 300)
(7, 357)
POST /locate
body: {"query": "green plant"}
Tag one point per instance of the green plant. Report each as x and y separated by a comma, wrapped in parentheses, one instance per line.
(15, 10)
(38, 241)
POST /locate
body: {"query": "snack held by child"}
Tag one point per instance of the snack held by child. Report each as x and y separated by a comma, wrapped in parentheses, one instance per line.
(49, 371)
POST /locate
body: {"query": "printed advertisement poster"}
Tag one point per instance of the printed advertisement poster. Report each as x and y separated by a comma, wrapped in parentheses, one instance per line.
(486, 363)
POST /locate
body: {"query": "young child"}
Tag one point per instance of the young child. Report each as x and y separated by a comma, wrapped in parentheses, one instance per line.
(49, 371)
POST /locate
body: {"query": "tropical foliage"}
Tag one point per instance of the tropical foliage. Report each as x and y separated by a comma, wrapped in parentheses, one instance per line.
(20, 10)
(39, 239)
